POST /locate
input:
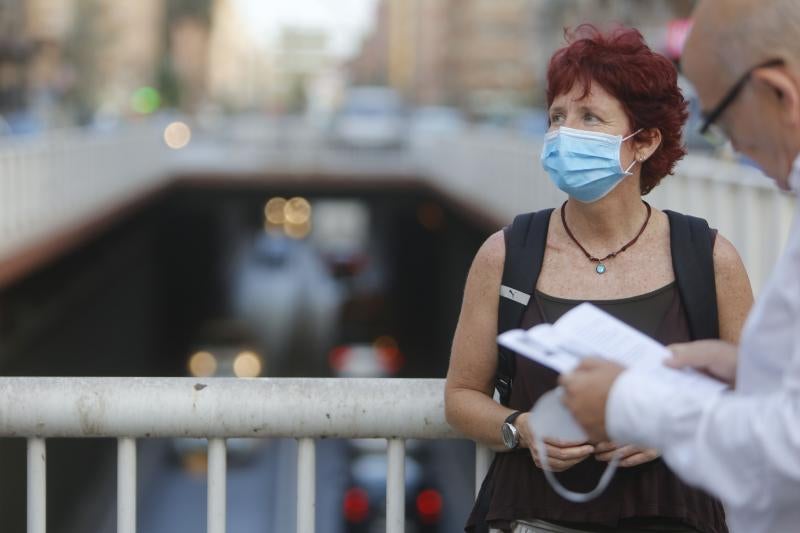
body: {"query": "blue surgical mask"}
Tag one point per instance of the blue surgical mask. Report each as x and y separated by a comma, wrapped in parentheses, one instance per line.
(584, 164)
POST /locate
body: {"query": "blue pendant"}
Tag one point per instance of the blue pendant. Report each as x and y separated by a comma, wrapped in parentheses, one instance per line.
(600, 268)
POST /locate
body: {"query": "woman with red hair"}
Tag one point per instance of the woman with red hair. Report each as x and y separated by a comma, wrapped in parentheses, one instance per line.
(616, 115)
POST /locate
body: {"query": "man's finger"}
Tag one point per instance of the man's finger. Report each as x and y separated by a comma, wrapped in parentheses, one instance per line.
(682, 357)
(590, 363)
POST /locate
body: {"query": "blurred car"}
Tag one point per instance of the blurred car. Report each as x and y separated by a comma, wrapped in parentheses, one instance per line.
(371, 117)
(340, 235)
(362, 360)
(272, 249)
(364, 501)
(21, 122)
(224, 348)
(430, 124)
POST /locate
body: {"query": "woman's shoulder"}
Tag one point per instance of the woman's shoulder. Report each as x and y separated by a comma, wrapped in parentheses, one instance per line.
(491, 255)
(727, 261)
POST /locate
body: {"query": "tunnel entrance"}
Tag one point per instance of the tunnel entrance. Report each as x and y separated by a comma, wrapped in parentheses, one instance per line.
(199, 281)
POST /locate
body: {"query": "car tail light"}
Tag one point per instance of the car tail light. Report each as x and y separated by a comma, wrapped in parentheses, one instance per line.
(429, 506)
(336, 358)
(356, 505)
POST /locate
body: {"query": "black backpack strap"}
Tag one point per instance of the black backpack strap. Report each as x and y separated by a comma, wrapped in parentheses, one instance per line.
(692, 247)
(526, 240)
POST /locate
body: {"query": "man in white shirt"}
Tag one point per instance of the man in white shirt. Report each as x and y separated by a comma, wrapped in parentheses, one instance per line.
(743, 445)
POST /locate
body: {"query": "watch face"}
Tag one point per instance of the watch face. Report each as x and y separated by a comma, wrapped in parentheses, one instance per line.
(510, 437)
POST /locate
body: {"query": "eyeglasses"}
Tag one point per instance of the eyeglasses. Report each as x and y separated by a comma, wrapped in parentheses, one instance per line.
(713, 132)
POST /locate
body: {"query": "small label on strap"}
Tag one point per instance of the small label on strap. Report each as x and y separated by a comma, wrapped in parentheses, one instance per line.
(513, 294)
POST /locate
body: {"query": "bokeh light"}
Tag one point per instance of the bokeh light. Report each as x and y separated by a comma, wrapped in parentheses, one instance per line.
(177, 135)
(274, 211)
(145, 100)
(247, 365)
(297, 210)
(202, 365)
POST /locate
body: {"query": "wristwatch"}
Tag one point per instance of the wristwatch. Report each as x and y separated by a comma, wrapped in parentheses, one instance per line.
(509, 432)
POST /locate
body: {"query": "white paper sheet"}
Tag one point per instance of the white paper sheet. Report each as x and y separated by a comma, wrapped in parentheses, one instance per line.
(587, 331)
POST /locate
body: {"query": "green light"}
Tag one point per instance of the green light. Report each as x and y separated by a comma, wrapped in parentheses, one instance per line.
(145, 100)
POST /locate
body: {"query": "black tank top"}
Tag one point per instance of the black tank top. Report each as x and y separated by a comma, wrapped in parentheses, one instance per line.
(646, 497)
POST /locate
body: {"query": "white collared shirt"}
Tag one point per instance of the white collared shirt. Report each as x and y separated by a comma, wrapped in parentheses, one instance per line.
(742, 446)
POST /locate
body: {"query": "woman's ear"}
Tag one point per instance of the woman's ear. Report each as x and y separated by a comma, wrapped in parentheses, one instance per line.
(784, 92)
(648, 144)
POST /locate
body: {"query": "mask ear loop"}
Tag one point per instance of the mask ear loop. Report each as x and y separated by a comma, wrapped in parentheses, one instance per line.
(635, 160)
(561, 490)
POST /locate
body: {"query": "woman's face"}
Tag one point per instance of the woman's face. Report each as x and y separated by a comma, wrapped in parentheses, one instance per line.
(599, 112)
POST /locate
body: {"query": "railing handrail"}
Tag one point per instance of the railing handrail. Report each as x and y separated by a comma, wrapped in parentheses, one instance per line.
(128, 409)
(47, 407)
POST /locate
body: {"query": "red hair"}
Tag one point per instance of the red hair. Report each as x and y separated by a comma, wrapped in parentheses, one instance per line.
(644, 82)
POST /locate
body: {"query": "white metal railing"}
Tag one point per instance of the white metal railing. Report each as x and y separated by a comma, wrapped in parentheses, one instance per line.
(219, 408)
(502, 174)
(54, 182)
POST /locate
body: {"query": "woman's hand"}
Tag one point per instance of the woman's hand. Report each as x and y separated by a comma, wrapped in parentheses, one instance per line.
(628, 455)
(716, 358)
(561, 455)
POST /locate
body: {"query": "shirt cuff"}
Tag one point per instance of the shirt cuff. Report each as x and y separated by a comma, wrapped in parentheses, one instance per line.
(633, 409)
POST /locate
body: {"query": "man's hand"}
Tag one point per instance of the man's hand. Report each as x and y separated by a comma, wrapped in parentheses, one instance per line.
(586, 393)
(629, 455)
(714, 357)
(561, 455)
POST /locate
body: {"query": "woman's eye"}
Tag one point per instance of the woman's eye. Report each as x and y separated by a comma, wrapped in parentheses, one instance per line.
(555, 119)
(588, 117)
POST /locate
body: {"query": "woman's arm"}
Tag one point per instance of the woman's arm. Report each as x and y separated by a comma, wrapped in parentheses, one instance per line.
(734, 294)
(469, 406)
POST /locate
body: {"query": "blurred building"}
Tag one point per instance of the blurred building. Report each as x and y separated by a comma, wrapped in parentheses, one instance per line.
(50, 76)
(128, 47)
(488, 57)
(302, 56)
(458, 52)
(493, 48)
(238, 71)
(16, 49)
(433, 64)
(409, 48)
(550, 18)
(370, 66)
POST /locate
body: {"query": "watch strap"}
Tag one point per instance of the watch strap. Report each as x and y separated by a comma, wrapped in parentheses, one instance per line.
(513, 417)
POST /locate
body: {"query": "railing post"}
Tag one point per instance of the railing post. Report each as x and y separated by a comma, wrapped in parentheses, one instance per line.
(306, 485)
(126, 485)
(483, 458)
(37, 484)
(396, 487)
(216, 485)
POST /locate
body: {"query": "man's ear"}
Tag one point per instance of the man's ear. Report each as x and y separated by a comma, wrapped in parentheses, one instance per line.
(649, 144)
(783, 90)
